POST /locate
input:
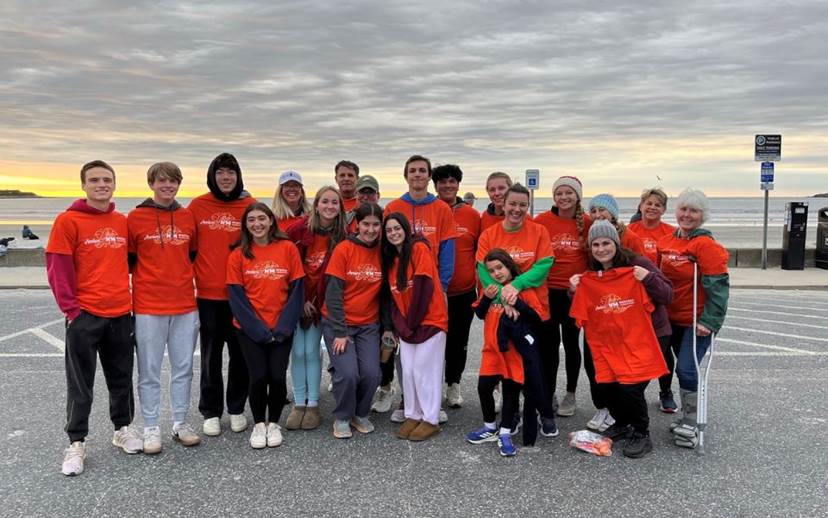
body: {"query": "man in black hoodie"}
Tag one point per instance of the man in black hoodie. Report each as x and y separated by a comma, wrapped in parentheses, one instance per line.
(218, 225)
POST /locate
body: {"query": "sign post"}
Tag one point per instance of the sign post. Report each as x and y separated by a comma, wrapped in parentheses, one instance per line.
(532, 182)
(768, 150)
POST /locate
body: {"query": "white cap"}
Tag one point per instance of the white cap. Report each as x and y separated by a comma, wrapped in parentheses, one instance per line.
(290, 176)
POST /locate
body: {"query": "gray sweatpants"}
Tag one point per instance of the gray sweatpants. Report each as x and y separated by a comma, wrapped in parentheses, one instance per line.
(356, 372)
(177, 334)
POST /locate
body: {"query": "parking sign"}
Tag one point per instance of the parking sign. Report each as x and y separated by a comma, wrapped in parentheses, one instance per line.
(532, 179)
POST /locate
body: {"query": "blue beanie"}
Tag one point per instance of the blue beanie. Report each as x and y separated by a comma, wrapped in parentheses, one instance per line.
(606, 201)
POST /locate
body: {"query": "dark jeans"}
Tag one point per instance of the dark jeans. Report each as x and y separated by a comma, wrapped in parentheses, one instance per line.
(666, 382)
(511, 399)
(87, 337)
(627, 405)
(561, 327)
(596, 390)
(460, 315)
(267, 368)
(682, 345)
(216, 321)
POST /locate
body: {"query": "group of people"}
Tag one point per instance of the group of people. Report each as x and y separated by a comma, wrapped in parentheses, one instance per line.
(388, 290)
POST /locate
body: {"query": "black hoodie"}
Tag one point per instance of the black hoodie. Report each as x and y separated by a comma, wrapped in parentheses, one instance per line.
(229, 161)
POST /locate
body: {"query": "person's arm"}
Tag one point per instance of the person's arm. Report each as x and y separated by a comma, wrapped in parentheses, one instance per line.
(421, 293)
(60, 270)
(292, 311)
(483, 307)
(334, 299)
(527, 314)
(250, 323)
(445, 262)
(716, 291)
(658, 286)
(534, 276)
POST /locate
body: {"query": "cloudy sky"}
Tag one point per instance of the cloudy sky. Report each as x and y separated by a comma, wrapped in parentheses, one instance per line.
(616, 94)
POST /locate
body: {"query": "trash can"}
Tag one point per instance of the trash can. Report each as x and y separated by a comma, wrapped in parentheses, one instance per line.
(821, 254)
(793, 235)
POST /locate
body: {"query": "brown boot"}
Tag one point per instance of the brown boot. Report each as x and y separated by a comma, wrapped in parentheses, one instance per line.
(294, 418)
(312, 418)
(407, 427)
(423, 431)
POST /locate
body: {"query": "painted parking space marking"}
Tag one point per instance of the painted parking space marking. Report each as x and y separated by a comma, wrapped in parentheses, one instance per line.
(764, 305)
(803, 352)
(29, 330)
(821, 317)
(49, 338)
(776, 333)
(797, 324)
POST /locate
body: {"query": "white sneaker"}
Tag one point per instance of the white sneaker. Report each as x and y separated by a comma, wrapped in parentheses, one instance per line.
(609, 421)
(383, 399)
(274, 435)
(73, 458)
(238, 423)
(453, 397)
(443, 418)
(185, 434)
(258, 439)
(398, 415)
(128, 440)
(598, 419)
(212, 427)
(152, 440)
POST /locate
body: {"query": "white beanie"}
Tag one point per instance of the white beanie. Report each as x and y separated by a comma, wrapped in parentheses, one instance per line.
(569, 181)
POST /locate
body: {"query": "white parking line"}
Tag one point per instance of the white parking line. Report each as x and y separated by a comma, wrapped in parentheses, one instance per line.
(775, 333)
(766, 353)
(765, 304)
(803, 352)
(821, 317)
(48, 338)
(797, 324)
(30, 355)
(29, 330)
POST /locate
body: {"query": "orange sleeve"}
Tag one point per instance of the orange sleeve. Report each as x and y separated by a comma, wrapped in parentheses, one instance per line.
(482, 247)
(234, 268)
(63, 236)
(711, 256)
(337, 264)
(422, 259)
(448, 224)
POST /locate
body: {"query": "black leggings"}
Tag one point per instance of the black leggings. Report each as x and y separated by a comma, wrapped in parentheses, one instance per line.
(460, 315)
(596, 390)
(627, 405)
(560, 327)
(511, 399)
(267, 367)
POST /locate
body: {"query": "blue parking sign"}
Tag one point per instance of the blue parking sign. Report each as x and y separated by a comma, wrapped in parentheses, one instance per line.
(767, 172)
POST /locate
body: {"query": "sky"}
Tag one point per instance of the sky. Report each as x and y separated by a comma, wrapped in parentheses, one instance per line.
(624, 95)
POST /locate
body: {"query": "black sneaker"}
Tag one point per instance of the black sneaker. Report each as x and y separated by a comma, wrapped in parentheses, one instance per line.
(667, 403)
(548, 428)
(638, 445)
(617, 432)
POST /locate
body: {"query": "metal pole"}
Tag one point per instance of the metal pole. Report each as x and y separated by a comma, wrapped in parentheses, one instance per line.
(765, 235)
(532, 203)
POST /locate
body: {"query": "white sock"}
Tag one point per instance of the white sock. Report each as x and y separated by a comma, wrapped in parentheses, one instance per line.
(505, 431)
(312, 404)
(490, 426)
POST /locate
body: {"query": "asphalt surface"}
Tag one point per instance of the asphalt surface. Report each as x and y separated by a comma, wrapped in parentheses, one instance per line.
(766, 443)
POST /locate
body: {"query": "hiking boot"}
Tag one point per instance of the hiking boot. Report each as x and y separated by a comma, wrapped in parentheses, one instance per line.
(383, 400)
(273, 435)
(342, 429)
(505, 446)
(238, 423)
(666, 402)
(185, 434)
(362, 424)
(567, 406)
(617, 432)
(128, 440)
(453, 397)
(152, 440)
(638, 445)
(481, 435)
(73, 458)
(598, 419)
(548, 428)
(398, 415)
(407, 427)
(211, 426)
(424, 430)
(312, 419)
(294, 418)
(258, 438)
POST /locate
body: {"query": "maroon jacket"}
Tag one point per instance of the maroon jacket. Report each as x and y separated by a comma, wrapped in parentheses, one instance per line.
(660, 290)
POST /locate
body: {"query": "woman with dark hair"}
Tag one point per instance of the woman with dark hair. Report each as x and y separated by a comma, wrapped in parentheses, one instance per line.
(350, 321)
(315, 235)
(265, 286)
(419, 315)
(621, 304)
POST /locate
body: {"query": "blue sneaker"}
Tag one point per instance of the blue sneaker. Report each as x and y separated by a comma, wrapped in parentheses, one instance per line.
(548, 428)
(504, 444)
(481, 435)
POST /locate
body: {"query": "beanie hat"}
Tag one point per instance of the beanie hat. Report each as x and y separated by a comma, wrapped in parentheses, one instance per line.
(569, 181)
(606, 201)
(603, 228)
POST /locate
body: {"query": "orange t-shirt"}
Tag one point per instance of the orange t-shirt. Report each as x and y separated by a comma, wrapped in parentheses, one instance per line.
(218, 225)
(285, 223)
(162, 280)
(568, 246)
(98, 246)
(614, 309)
(650, 237)
(487, 220)
(422, 263)
(674, 253)
(434, 221)
(266, 278)
(631, 241)
(526, 246)
(314, 257)
(465, 246)
(350, 204)
(361, 269)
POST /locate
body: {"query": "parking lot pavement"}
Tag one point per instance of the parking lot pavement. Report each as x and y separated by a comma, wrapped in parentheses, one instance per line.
(766, 452)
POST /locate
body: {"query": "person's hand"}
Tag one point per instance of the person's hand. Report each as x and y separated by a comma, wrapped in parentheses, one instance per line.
(511, 312)
(639, 272)
(509, 295)
(702, 330)
(574, 281)
(340, 344)
(490, 291)
(310, 310)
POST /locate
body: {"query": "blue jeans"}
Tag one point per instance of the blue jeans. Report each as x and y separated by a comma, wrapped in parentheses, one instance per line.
(306, 365)
(685, 366)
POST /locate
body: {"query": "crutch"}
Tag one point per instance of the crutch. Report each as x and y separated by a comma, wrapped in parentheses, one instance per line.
(701, 379)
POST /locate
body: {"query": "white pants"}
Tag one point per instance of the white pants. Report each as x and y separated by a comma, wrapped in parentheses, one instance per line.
(177, 334)
(422, 377)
